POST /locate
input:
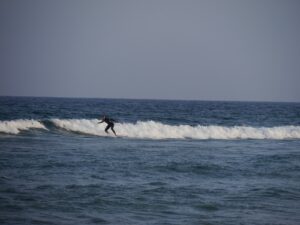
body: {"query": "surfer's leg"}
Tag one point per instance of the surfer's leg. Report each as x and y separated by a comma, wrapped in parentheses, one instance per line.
(107, 127)
(112, 128)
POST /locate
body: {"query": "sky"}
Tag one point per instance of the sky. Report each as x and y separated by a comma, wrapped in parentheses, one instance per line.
(240, 50)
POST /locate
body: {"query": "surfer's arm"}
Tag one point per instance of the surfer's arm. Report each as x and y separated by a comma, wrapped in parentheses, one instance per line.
(101, 121)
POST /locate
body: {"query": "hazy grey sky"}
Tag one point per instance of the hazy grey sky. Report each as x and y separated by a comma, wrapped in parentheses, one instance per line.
(204, 50)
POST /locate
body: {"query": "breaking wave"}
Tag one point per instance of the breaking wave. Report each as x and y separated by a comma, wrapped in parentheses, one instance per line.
(156, 130)
(15, 126)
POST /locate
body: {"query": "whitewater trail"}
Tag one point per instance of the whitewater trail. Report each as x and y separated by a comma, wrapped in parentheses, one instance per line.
(15, 126)
(156, 130)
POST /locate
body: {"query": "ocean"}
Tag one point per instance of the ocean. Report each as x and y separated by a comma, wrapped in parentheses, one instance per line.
(173, 162)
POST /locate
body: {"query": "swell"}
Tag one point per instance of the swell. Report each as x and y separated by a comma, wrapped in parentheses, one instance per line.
(156, 130)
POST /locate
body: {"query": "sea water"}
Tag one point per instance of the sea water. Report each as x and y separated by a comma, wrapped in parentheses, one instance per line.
(173, 162)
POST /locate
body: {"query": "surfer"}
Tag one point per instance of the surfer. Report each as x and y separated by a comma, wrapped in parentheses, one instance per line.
(110, 124)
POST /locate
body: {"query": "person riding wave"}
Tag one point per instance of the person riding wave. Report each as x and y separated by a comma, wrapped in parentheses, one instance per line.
(110, 124)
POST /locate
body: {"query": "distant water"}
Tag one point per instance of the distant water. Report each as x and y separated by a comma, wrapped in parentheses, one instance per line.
(174, 162)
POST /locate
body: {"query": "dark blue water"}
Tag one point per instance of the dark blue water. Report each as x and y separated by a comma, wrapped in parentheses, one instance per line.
(65, 173)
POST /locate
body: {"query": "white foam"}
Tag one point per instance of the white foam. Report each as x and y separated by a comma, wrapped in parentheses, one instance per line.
(156, 130)
(81, 125)
(15, 126)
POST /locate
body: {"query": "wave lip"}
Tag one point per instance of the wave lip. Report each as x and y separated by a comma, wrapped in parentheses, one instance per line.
(157, 130)
(15, 126)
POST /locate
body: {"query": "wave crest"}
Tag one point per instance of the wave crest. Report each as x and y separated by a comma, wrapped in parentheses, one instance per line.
(157, 130)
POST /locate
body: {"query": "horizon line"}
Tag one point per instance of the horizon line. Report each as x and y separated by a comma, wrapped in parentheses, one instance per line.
(149, 99)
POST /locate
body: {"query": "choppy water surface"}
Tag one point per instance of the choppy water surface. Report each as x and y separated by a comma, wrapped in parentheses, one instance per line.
(175, 162)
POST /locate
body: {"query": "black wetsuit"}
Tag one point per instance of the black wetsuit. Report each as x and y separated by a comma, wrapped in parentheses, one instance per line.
(110, 124)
